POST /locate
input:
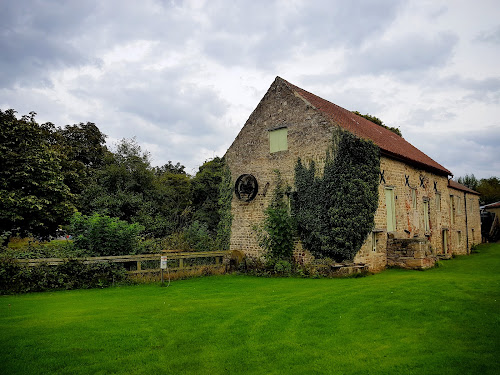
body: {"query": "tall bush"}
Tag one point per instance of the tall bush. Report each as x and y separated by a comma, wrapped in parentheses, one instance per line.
(276, 235)
(104, 235)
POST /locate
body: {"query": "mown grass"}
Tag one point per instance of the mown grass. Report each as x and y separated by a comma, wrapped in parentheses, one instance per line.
(441, 321)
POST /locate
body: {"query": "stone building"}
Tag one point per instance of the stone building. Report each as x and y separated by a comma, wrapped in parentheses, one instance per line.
(421, 215)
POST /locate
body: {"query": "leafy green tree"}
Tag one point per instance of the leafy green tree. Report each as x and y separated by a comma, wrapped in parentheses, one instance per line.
(489, 189)
(177, 168)
(33, 196)
(83, 152)
(127, 187)
(470, 181)
(205, 192)
(379, 122)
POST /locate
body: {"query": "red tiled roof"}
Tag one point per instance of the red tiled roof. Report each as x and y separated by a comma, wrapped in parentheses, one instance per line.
(390, 144)
(456, 185)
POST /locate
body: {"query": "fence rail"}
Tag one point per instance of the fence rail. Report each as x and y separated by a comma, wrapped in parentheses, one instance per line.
(179, 256)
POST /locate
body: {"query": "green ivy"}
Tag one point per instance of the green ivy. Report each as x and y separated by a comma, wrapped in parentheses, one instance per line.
(226, 218)
(335, 212)
(276, 234)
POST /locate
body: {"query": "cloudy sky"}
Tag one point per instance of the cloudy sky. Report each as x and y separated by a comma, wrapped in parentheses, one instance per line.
(183, 76)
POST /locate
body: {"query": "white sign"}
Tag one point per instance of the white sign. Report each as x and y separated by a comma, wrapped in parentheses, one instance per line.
(163, 263)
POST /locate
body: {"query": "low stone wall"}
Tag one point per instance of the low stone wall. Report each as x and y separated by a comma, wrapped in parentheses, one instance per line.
(411, 253)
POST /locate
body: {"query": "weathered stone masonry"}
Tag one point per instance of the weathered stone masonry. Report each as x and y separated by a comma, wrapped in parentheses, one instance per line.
(416, 186)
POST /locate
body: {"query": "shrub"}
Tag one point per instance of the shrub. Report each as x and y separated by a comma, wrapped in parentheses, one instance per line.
(104, 235)
(283, 268)
(276, 234)
(72, 274)
(196, 237)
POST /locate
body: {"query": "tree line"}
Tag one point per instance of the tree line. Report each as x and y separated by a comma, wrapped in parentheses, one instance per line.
(49, 173)
(489, 188)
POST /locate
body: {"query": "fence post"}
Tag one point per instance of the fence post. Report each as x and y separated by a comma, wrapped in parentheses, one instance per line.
(181, 262)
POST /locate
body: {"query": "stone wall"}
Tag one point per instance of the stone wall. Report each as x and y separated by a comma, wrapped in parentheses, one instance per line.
(413, 253)
(427, 186)
(309, 135)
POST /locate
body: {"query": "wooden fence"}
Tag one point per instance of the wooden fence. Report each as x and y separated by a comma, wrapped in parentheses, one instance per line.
(137, 264)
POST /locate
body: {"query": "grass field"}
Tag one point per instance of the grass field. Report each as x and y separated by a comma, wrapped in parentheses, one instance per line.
(441, 321)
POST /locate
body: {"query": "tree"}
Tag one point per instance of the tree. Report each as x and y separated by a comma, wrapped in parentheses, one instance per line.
(470, 181)
(122, 184)
(82, 152)
(33, 196)
(127, 187)
(489, 189)
(205, 191)
(379, 122)
(171, 168)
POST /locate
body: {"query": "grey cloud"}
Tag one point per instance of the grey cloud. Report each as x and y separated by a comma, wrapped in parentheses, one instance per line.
(419, 117)
(162, 99)
(39, 37)
(404, 55)
(35, 40)
(474, 151)
(490, 36)
(265, 33)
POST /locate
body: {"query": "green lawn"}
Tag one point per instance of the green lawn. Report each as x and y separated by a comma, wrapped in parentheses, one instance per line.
(441, 321)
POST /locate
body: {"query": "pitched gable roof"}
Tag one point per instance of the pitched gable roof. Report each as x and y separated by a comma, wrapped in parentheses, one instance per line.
(458, 186)
(391, 144)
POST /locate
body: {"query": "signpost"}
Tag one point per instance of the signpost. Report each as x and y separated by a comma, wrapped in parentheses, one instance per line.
(163, 265)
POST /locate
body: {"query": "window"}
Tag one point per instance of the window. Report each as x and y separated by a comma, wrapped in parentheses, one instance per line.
(438, 202)
(374, 241)
(459, 237)
(473, 236)
(391, 209)
(414, 198)
(459, 205)
(278, 140)
(427, 226)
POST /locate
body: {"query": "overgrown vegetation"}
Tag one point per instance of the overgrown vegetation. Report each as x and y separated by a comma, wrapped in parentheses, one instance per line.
(99, 235)
(72, 274)
(276, 234)
(379, 122)
(335, 210)
(224, 208)
(48, 173)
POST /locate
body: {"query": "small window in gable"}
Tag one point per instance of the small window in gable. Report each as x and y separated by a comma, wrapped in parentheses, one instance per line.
(278, 140)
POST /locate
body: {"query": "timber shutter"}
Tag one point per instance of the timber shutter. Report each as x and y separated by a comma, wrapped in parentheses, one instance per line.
(278, 140)
(391, 209)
